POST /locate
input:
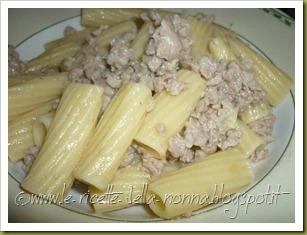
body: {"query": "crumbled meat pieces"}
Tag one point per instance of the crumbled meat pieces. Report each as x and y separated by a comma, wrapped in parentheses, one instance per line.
(177, 148)
(264, 126)
(120, 54)
(260, 153)
(231, 138)
(131, 157)
(153, 165)
(69, 30)
(31, 154)
(15, 64)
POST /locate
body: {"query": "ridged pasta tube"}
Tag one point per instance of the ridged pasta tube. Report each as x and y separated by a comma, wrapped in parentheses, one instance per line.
(199, 184)
(77, 37)
(113, 135)
(170, 113)
(40, 128)
(201, 33)
(250, 140)
(20, 135)
(140, 41)
(94, 17)
(18, 79)
(53, 57)
(129, 185)
(74, 121)
(273, 81)
(220, 50)
(254, 112)
(31, 94)
(103, 40)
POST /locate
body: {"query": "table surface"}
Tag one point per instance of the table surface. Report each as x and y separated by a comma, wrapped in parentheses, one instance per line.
(25, 22)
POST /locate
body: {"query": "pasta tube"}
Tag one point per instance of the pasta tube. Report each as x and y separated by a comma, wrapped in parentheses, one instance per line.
(254, 112)
(20, 135)
(74, 121)
(113, 135)
(130, 185)
(221, 31)
(77, 37)
(220, 50)
(29, 95)
(53, 57)
(40, 128)
(273, 81)
(104, 39)
(250, 140)
(199, 184)
(14, 80)
(170, 113)
(201, 33)
(140, 41)
(94, 17)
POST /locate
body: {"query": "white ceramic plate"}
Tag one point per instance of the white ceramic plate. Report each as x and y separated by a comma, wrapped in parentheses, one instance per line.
(282, 133)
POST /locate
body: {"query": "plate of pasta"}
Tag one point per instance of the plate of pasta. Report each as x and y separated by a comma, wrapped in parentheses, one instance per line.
(144, 115)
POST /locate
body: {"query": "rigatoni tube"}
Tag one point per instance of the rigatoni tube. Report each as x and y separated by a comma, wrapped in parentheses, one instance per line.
(273, 81)
(31, 94)
(113, 135)
(74, 121)
(254, 112)
(140, 41)
(103, 40)
(130, 183)
(170, 113)
(250, 140)
(94, 17)
(199, 184)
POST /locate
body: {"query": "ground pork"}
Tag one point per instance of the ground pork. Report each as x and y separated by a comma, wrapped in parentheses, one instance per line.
(132, 156)
(69, 30)
(15, 64)
(260, 153)
(153, 165)
(264, 126)
(30, 155)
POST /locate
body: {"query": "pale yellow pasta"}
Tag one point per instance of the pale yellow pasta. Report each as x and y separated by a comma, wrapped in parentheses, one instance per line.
(201, 33)
(220, 50)
(140, 41)
(170, 113)
(31, 94)
(40, 128)
(273, 81)
(254, 112)
(103, 40)
(94, 17)
(53, 57)
(129, 183)
(18, 79)
(74, 121)
(220, 31)
(77, 37)
(20, 135)
(199, 184)
(113, 135)
(250, 140)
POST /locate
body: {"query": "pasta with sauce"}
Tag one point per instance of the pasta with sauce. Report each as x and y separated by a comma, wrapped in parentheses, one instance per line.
(143, 98)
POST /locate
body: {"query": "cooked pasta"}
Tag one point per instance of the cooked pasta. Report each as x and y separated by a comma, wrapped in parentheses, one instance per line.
(113, 135)
(159, 109)
(273, 81)
(74, 121)
(20, 131)
(95, 17)
(27, 96)
(250, 140)
(131, 183)
(178, 109)
(254, 112)
(216, 176)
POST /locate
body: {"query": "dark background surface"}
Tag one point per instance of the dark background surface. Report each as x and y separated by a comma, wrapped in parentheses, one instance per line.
(289, 11)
